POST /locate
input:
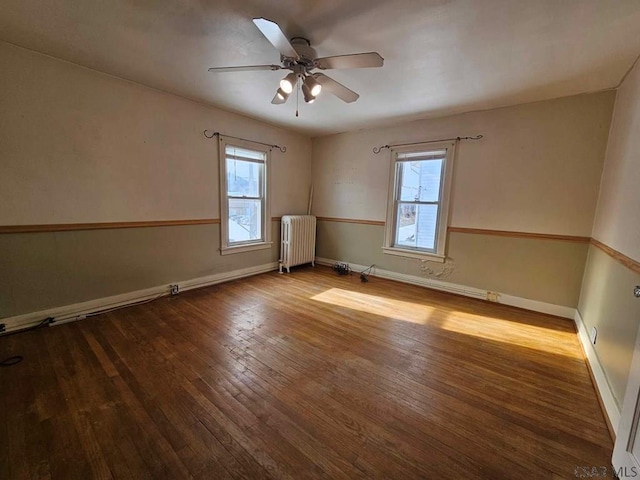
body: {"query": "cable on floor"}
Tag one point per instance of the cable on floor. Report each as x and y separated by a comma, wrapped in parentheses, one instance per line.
(15, 359)
(364, 275)
(112, 309)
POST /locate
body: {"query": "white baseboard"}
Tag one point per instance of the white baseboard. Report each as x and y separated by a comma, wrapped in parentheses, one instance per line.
(70, 313)
(609, 401)
(536, 306)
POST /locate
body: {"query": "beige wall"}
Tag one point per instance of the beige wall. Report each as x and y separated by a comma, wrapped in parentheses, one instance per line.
(78, 146)
(617, 221)
(47, 270)
(606, 301)
(537, 170)
(545, 270)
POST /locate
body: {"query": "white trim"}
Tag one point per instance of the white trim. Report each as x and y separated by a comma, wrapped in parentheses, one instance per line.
(247, 247)
(446, 181)
(401, 252)
(606, 394)
(78, 311)
(536, 306)
(226, 247)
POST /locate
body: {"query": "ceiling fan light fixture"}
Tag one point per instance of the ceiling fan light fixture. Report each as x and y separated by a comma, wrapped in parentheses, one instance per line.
(313, 85)
(281, 94)
(308, 96)
(287, 83)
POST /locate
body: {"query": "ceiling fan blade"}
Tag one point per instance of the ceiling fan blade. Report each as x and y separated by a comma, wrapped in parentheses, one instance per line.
(245, 68)
(339, 90)
(272, 32)
(357, 60)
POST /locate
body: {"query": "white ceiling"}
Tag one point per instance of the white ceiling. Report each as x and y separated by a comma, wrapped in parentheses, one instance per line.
(441, 56)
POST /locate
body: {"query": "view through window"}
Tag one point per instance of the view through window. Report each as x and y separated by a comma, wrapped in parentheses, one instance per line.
(418, 199)
(245, 174)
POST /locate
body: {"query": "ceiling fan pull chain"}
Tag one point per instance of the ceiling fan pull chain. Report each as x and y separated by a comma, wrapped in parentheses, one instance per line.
(297, 97)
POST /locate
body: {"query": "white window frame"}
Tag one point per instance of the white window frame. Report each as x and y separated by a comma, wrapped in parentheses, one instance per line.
(438, 254)
(265, 242)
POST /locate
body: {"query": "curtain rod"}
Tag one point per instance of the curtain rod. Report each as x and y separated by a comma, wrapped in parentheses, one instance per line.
(283, 149)
(377, 150)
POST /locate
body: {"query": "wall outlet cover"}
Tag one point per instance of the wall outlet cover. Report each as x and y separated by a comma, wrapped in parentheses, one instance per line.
(493, 296)
(174, 289)
(594, 335)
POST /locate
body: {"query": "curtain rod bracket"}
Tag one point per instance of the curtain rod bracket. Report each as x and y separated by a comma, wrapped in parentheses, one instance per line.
(283, 148)
(377, 150)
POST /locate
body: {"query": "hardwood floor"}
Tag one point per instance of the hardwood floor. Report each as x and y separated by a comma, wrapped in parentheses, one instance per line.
(307, 375)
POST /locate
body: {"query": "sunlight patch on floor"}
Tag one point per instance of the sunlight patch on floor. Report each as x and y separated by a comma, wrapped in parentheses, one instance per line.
(480, 326)
(512, 332)
(386, 307)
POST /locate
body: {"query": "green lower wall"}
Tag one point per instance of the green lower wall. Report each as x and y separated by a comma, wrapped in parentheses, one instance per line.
(607, 302)
(54, 269)
(538, 269)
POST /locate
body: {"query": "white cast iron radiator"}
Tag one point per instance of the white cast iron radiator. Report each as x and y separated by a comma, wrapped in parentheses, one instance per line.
(298, 235)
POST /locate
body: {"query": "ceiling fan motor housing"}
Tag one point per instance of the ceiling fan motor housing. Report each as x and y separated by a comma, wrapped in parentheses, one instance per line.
(305, 51)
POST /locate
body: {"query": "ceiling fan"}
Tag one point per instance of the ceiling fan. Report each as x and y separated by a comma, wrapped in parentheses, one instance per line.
(297, 56)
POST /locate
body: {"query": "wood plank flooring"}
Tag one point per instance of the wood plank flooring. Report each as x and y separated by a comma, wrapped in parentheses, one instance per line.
(307, 375)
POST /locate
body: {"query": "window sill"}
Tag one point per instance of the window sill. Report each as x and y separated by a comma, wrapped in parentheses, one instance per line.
(246, 247)
(430, 257)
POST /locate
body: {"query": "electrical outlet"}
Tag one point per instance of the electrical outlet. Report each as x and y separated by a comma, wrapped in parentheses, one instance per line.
(492, 296)
(594, 335)
(174, 289)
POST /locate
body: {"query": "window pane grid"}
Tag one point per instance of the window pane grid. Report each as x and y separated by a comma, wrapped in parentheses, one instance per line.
(245, 195)
(417, 199)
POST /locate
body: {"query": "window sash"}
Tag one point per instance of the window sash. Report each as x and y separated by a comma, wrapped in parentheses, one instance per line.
(260, 198)
(250, 154)
(257, 207)
(443, 152)
(397, 241)
(422, 156)
(260, 224)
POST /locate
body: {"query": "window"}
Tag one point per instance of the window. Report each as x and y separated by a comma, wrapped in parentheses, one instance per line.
(244, 209)
(418, 208)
